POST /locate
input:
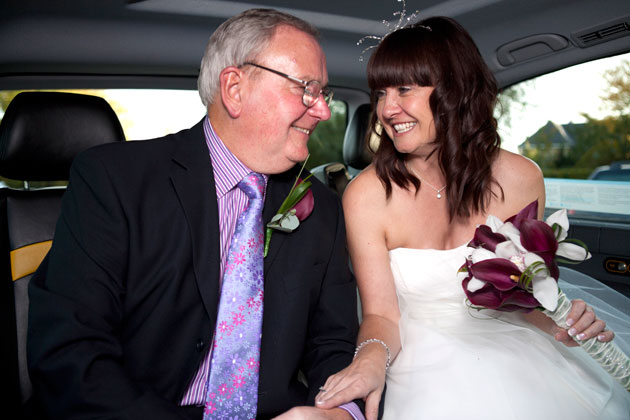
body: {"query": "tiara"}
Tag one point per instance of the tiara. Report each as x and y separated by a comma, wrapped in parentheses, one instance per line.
(403, 21)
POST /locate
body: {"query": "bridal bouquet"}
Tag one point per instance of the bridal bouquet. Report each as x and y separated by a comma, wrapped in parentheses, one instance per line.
(514, 267)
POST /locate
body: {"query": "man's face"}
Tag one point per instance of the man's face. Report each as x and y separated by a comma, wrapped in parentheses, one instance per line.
(273, 112)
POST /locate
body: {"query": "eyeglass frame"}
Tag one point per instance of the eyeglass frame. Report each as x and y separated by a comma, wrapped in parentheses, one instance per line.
(326, 91)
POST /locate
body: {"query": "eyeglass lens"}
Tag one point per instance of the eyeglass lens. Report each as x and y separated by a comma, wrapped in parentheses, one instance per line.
(312, 90)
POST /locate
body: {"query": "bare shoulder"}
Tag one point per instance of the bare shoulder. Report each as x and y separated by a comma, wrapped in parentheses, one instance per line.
(365, 190)
(513, 170)
(512, 165)
(365, 205)
(520, 179)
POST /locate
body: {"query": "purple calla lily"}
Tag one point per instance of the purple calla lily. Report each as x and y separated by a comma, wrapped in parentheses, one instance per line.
(486, 238)
(538, 237)
(520, 299)
(506, 301)
(497, 272)
(529, 212)
(487, 297)
(304, 207)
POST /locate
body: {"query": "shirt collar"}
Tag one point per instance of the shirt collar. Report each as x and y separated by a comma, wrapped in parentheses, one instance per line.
(228, 170)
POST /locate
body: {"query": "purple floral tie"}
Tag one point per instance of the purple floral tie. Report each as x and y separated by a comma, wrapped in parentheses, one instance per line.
(232, 391)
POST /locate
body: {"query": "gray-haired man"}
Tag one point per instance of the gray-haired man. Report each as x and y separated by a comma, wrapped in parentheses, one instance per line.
(125, 317)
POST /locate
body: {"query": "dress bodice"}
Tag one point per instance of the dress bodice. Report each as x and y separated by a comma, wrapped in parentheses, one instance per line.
(426, 281)
(431, 273)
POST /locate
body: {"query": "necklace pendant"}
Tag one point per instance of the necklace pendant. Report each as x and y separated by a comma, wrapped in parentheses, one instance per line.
(439, 195)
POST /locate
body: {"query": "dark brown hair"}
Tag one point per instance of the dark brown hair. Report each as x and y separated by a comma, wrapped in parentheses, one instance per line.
(462, 103)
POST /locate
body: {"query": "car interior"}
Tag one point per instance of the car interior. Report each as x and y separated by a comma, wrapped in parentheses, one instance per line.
(41, 134)
(72, 72)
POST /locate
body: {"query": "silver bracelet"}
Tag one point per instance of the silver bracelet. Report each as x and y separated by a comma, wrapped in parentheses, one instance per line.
(374, 340)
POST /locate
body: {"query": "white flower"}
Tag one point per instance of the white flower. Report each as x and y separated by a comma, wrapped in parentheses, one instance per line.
(475, 284)
(546, 291)
(566, 249)
(545, 287)
(509, 248)
(562, 220)
(480, 254)
(494, 222)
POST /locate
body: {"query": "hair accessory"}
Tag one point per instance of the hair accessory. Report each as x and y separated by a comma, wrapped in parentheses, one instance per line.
(402, 22)
(374, 340)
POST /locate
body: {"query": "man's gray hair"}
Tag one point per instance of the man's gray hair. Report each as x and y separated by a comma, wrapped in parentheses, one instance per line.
(238, 40)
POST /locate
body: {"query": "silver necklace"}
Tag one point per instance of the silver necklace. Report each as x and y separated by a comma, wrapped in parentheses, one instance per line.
(437, 190)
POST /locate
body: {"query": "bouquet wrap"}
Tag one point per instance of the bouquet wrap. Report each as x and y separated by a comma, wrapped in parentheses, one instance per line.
(608, 355)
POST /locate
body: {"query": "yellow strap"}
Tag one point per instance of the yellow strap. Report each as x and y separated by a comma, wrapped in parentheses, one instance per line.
(25, 260)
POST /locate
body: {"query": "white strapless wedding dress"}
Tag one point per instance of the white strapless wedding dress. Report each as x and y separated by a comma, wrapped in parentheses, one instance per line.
(459, 363)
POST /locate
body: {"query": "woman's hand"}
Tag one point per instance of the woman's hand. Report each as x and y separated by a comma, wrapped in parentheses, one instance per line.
(582, 324)
(364, 378)
(314, 413)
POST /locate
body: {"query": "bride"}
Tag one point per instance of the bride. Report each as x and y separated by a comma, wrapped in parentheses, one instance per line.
(437, 174)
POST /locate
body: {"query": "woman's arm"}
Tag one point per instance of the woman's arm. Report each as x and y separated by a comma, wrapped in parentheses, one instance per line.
(365, 212)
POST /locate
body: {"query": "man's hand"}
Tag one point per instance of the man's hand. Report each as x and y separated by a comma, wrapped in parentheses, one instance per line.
(314, 413)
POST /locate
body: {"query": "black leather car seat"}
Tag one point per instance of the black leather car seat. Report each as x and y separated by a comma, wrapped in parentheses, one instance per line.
(40, 135)
(356, 153)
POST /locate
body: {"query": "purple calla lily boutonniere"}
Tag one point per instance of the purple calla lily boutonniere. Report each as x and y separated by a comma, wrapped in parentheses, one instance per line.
(513, 267)
(296, 207)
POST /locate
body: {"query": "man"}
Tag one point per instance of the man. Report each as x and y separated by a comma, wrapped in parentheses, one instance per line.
(124, 308)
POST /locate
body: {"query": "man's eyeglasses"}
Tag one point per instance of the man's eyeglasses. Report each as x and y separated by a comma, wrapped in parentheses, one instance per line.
(312, 88)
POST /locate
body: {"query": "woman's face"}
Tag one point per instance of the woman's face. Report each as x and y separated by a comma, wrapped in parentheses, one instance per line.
(406, 116)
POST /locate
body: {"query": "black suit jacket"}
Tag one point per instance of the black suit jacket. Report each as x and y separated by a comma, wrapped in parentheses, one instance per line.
(123, 309)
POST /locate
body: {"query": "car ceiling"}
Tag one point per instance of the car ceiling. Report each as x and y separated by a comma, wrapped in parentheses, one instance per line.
(163, 40)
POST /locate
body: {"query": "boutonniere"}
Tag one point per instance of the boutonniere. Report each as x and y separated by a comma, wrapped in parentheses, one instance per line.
(296, 207)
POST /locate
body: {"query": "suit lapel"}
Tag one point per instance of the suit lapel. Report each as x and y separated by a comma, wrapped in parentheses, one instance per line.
(193, 181)
(277, 189)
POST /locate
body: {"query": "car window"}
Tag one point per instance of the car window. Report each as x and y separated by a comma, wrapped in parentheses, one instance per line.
(143, 113)
(149, 113)
(326, 142)
(575, 124)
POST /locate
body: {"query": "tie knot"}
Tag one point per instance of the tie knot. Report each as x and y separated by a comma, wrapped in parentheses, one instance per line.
(253, 185)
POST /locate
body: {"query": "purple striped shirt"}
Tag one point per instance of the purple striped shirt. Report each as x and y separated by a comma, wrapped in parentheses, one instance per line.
(228, 172)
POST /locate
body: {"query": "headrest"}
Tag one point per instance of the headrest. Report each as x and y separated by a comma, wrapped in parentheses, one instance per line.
(356, 152)
(42, 132)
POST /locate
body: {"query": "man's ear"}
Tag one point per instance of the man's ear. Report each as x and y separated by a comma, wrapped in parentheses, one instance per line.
(231, 83)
